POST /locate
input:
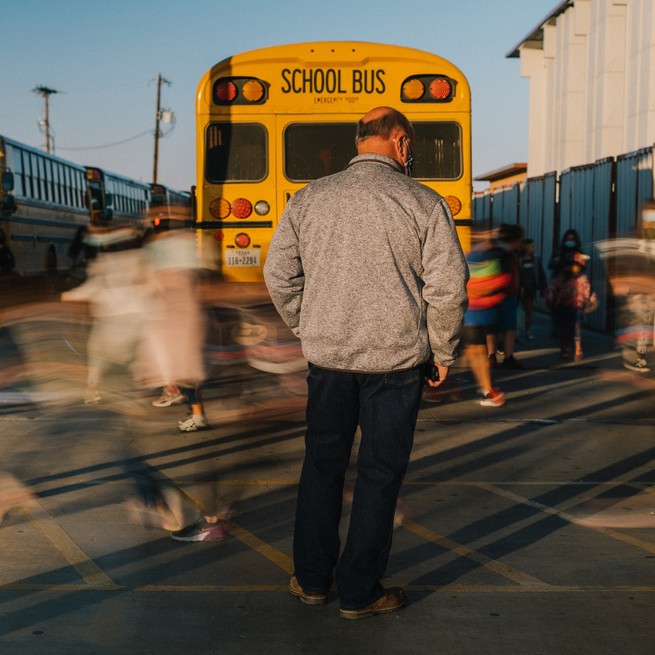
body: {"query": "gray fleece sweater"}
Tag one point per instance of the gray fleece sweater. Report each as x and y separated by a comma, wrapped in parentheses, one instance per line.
(366, 268)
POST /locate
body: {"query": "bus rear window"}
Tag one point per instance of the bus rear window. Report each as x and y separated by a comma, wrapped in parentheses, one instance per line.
(437, 151)
(235, 152)
(313, 150)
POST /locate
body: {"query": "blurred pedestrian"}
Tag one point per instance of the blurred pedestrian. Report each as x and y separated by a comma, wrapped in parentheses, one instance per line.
(13, 493)
(116, 288)
(171, 356)
(7, 259)
(487, 288)
(563, 257)
(507, 244)
(631, 273)
(80, 253)
(532, 279)
(569, 297)
(192, 510)
(366, 268)
(171, 394)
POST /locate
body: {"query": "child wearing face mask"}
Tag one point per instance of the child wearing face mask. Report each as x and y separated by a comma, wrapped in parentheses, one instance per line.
(561, 259)
(563, 256)
(569, 298)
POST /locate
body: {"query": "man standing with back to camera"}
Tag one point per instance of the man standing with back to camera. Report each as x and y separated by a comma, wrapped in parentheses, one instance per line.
(366, 269)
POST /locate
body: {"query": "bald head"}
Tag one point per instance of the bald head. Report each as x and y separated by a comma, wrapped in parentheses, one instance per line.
(385, 131)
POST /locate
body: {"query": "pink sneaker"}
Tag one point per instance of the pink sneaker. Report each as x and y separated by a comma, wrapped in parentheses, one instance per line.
(202, 531)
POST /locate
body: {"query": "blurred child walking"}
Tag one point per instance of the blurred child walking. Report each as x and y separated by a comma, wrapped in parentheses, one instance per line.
(569, 298)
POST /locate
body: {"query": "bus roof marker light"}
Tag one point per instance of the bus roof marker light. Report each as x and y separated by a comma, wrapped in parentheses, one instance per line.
(427, 88)
(413, 89)
(253, 90)
(225, 91)
(440, 88)
(240, 91)
(241, 208)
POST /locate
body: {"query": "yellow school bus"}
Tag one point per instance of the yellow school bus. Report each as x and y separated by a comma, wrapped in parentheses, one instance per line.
(270, 121)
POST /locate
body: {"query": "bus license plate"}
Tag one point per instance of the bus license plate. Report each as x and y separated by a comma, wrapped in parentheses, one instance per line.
(243, 258)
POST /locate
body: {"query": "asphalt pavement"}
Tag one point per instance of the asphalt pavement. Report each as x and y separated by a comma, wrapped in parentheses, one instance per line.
(527, 528)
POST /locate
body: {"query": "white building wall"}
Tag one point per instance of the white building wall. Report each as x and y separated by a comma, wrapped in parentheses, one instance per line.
(532, 66)
(592, 84)
(606, 108)
(639, 91)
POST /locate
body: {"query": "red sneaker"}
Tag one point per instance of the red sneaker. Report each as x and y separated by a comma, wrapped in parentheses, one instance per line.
(494, 398)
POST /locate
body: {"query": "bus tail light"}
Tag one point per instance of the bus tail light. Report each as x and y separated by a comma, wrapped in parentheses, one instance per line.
(219, 235)
(93, 175)
(242, 240)
(219, 208)
(427, 88)
(241, 208)
(455, 204)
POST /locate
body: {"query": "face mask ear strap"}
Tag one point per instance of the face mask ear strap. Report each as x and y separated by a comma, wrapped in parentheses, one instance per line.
(409, 164)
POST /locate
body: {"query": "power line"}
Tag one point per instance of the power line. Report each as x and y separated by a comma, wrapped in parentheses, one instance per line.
(110, 145)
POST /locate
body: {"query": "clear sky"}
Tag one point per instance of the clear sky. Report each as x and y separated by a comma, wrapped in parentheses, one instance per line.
(103, 59)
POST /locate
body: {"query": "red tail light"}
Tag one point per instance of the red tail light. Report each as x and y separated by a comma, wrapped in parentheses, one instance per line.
(242, 240)
(241, 208)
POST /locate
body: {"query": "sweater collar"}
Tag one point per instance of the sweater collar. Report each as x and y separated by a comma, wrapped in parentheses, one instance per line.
(373, 157)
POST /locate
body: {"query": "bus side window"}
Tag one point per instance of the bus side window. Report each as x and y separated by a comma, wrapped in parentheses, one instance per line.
(235, 153)
(7, 181)
(437, 147)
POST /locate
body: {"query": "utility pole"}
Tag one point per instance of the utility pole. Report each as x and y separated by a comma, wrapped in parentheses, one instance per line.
(46, 93)
(160, 81)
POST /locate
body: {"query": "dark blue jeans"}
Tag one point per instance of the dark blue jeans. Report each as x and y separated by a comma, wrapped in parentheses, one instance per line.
(385, 406)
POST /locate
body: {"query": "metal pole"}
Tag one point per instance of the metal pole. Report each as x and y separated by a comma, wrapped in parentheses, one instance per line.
(158, 116)
(47, 124)
(45, 92)
(160, 81)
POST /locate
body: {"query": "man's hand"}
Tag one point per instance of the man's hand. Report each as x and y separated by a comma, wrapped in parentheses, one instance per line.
(440, 373)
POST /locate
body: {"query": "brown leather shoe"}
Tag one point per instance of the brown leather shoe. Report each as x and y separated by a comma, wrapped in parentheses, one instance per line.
(307, 597)
(392, 600)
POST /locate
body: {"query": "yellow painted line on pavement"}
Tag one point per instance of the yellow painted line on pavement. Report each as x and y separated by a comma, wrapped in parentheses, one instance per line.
(211, 587)
(619, 536)
(504, 570)
(626, 538)
(511, 589)
(8, 585)
(91, 573)
(273, 554)
(268, 588)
